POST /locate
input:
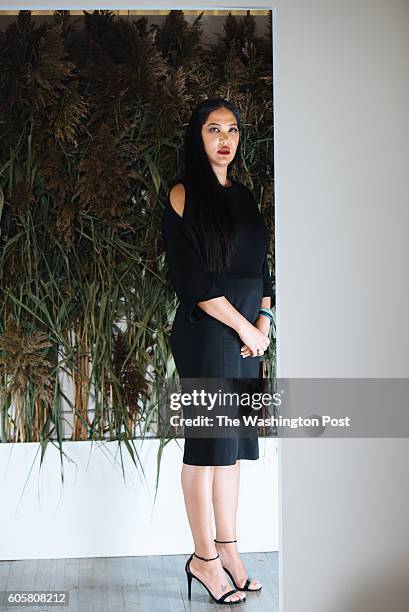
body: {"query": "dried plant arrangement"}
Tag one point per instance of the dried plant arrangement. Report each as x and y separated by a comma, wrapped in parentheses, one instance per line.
(92, 118)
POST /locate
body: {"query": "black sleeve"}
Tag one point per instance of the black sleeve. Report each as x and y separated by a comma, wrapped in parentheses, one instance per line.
(267, 280)
(190, 279)
(268, 290)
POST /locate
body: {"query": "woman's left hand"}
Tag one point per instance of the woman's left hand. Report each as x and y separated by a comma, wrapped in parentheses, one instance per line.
(263, 324)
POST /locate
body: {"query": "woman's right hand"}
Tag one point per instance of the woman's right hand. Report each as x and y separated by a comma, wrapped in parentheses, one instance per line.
(253, 338)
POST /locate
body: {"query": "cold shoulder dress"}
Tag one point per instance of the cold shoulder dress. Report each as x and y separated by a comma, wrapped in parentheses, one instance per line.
(203, 346)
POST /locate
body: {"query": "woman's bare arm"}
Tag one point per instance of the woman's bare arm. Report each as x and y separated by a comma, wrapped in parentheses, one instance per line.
(224, 311)
(255, 341)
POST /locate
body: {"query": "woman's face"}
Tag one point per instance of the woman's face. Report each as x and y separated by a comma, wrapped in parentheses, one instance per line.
(220, 131)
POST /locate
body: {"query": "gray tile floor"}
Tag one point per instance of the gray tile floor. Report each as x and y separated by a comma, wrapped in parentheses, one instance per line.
(122, 584)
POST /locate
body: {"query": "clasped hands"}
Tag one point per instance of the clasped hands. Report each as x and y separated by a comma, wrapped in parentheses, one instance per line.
(255, 337)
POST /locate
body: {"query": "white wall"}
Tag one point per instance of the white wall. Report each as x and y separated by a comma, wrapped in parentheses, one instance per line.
(95, 513)
(342, 153)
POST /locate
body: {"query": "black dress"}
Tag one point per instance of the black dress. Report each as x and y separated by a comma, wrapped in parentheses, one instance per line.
(203, 346)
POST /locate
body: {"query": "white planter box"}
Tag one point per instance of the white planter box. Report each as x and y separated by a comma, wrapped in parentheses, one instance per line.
(96, 513)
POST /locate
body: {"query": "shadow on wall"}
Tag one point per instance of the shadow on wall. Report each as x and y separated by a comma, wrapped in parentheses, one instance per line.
(387, 591)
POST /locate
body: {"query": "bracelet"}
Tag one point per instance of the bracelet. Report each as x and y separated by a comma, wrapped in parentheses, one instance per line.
(266, 312)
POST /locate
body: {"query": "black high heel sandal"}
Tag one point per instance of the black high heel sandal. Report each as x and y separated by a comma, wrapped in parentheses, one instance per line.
(247, 583)
(221, 599)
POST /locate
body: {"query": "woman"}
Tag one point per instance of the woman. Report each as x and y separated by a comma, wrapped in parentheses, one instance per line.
(216, 245)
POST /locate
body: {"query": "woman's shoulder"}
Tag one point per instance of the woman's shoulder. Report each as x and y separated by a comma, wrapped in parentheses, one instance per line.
(177, 198)
(248, 193)
(244, 187)
(240, 191)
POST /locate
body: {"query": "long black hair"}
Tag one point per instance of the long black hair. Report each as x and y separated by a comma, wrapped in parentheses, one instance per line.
(208, 195)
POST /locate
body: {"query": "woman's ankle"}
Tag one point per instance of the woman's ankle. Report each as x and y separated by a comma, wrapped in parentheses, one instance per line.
(206, 552)
(225, 543)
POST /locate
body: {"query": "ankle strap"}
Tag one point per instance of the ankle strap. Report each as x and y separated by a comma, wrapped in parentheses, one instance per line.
(203, 559)
(225, 541)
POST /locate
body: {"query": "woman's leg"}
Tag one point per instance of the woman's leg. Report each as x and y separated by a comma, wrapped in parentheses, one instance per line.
(197, 482)
(226, 482)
